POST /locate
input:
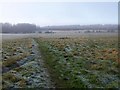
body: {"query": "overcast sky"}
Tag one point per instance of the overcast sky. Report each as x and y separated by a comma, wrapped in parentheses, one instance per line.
(60, 13)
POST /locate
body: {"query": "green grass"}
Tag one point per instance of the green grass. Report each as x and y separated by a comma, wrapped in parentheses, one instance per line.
(80, 62)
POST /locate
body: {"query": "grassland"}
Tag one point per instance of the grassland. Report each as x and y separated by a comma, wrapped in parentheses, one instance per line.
(22, 66)
(12, 52)
(15, 50)
(82, 62)
(73, 61)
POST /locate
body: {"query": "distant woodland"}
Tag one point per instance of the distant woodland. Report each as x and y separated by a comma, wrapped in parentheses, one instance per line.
(32, 28)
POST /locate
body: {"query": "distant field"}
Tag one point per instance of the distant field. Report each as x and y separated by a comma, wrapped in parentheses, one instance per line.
(72, 60)
(57, 34)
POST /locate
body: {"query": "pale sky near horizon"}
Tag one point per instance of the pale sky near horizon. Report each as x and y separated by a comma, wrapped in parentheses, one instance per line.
(60, 13)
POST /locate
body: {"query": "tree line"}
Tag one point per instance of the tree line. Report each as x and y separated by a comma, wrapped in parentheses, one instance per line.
(32, 28)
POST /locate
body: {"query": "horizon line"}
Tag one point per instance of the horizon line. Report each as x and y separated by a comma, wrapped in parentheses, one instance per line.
(58, 24)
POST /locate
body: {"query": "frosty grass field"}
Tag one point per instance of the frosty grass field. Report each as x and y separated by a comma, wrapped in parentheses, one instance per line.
(67, 61)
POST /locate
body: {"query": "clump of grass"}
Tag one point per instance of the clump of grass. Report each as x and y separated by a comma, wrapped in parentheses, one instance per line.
(97, 67)
(18, 69)
(113, 84)
(22, 83)
(13, 60)
(10, 77)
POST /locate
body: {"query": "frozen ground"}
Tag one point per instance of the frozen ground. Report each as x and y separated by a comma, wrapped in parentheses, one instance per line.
(32, 72)
(29, 72)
